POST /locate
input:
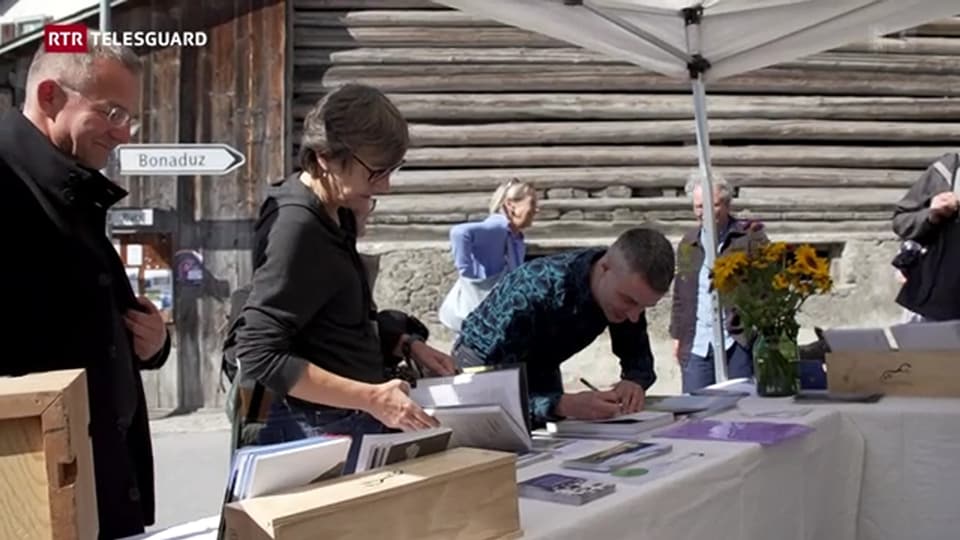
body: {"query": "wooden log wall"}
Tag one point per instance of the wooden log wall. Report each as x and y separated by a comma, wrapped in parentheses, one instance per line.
(822, 145)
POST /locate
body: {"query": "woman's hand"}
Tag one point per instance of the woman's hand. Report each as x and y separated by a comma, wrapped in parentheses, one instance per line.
(390, 403)
(436, 362)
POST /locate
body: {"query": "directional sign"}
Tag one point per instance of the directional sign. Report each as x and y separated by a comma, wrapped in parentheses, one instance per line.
(178, 159)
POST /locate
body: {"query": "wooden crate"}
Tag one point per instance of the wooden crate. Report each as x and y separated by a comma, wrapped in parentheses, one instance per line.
(460, 494)
(895, 373)
(46, 465)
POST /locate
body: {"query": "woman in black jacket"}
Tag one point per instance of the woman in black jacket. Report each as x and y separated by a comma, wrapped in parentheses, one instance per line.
(310, 332)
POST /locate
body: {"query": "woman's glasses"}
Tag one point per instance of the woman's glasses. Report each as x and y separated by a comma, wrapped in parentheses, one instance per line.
(377, 175)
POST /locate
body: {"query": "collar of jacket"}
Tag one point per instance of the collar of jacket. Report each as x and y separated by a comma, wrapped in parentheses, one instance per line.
(293, 191)
(500, 220)
(738, 228)
(56, 173)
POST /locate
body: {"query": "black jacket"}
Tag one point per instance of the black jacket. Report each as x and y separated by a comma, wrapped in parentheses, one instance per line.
(932, 288)
(311, 300)
(64, 291)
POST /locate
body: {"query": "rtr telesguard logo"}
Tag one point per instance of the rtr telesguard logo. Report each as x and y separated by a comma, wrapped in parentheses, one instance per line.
(77, 38)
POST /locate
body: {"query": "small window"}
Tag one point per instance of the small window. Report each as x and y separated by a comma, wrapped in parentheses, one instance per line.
(30, 24)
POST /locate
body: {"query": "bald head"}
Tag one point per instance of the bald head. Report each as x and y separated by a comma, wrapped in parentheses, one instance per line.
(85, 103)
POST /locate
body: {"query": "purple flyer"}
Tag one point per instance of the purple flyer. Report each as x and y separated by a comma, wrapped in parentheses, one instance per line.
(764, 433)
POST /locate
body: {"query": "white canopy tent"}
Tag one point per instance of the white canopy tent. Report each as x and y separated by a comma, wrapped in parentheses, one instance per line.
(709, 40)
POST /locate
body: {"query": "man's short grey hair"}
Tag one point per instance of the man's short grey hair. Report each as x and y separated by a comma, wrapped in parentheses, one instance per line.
(720, 185)
(76, 69)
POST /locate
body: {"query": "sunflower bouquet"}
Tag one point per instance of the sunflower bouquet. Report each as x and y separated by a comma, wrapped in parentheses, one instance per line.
(766, 285)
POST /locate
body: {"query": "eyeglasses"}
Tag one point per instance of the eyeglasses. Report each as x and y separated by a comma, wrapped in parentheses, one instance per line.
(377, 175)
(116, 115)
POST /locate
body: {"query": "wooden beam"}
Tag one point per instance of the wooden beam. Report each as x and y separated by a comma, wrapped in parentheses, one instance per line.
(557, 78)
(393, 17)
(842, 61)
(881, 157)
(412, 36)
(645, 132)
(643, 178)
(559, 231)
(303, 5)
(906, 45)
(509, 36)
(838, 195)
(594, 106)
(428, 16)
(945, 28)
(815, 201)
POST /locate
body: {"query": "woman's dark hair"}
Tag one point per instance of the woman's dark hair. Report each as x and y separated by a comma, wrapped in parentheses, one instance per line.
(350, 119)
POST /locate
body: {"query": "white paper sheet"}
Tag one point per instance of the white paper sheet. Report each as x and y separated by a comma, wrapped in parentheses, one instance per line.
(134, 255)
(483, 426)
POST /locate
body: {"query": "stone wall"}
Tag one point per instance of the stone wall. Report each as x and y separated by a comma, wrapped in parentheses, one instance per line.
(415, 278)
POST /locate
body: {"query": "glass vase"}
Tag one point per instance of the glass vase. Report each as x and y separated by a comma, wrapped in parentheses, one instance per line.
(776, 365)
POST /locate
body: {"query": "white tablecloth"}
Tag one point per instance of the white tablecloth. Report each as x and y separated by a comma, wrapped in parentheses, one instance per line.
(807, 488)
(911, 475)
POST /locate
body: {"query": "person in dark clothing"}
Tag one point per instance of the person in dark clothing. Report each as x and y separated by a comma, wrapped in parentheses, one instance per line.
(929, 216)
(64, 286)
(549, 309)
(309, 331)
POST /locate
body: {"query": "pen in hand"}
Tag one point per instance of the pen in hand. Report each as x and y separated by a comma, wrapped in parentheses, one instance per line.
(594, 388)
(588, 385)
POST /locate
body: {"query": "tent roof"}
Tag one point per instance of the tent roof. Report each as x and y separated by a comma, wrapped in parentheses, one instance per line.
(734, 36)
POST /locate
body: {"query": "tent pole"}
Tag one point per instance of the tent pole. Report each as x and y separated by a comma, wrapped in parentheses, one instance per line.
(709, 222)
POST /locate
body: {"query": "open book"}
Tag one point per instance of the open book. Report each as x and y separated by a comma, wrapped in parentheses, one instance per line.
(485, 409)
(624, 426)
(483, 426)
(379, 450)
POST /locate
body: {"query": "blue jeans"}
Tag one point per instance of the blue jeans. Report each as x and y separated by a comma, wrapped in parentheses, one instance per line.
(287, 422)
(697, 372)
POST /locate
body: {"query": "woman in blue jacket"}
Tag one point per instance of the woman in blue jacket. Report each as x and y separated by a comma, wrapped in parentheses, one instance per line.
(485, 250)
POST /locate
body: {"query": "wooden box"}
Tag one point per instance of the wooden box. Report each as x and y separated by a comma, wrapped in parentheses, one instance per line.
(460, 494)
(895, 373)
(46, 465)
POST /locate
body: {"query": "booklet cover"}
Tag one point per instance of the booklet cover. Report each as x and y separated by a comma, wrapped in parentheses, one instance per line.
(379, 450)
(764, 433)
(618, 456)
(688, 404)
(565, 489)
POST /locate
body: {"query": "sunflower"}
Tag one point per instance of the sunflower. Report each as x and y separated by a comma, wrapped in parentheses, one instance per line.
(725, 268)
(781, 282)
(805, 261)
(774, 252)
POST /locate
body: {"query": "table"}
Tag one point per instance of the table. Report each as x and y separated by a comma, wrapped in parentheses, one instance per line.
(807, 488)
(911, 477)
(911, 473)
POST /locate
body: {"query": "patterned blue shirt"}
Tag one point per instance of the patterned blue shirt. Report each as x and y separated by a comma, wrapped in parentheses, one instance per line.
(542, 314)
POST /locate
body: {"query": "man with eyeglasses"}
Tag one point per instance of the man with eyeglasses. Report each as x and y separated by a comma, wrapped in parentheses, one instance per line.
(64, 287)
